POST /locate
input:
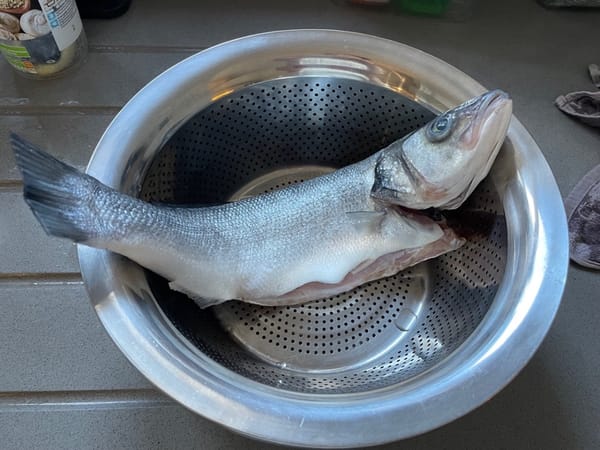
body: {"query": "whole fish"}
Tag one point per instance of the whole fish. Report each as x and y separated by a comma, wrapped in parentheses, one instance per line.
(300, 243)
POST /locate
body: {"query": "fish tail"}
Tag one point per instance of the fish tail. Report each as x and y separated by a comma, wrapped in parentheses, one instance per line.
(59, 195)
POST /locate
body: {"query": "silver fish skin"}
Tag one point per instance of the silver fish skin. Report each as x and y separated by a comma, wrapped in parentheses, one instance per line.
(297, 244)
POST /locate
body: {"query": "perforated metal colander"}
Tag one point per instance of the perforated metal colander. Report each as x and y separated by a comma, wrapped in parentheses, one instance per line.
(389, 359)
(275, 133)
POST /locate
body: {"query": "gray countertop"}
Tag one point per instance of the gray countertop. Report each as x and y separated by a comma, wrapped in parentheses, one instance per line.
(64, 384)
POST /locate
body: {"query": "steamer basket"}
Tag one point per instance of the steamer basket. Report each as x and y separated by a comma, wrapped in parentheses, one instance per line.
(388, 360)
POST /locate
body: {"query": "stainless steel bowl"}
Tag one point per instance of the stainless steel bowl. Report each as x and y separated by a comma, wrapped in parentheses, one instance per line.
(389, 360)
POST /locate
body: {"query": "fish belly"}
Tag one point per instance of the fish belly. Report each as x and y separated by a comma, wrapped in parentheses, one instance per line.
(380, 255)
(296, 264)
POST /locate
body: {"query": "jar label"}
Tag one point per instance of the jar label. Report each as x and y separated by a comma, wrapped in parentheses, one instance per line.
(64, 20)
(18, 57)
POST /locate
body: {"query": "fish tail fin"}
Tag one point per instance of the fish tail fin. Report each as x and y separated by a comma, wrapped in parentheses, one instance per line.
(59, 195)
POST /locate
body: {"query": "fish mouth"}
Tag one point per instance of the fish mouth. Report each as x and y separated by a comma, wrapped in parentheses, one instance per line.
(493, 106)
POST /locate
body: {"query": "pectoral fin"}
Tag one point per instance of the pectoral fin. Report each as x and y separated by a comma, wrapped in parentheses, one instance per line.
(366, 221)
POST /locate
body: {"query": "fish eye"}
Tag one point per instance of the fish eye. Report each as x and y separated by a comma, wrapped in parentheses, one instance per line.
(440, 128)
(442, 124)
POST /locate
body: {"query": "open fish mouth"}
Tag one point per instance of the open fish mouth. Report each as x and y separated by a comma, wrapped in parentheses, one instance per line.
(485, 111)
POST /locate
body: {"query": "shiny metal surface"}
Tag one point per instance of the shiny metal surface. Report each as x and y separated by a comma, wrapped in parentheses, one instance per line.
(507, 333)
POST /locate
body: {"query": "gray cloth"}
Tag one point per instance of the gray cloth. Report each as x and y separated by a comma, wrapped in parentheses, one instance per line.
(583, 214)
(585, 106)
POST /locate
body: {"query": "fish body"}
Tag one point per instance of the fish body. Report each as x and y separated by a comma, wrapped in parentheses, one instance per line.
(297, 244)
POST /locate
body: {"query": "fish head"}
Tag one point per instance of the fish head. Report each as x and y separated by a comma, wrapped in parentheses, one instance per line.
(441, 164)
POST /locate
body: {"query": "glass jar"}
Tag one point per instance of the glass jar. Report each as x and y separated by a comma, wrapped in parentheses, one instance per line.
(49, 41)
